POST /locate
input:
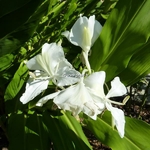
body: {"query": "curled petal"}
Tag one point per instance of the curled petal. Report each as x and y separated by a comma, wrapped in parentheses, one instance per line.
(117, 88)
(66, 34)
(33, 88)
(118, 119)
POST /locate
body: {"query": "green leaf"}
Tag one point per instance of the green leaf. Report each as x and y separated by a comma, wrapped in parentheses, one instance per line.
(15, 129)
(7, 6)
(17, 17)
(27, 132)
(17, 82)
(6, 61)
(69, 132)
(14, 87)
(36, 132)
(138, 67)
(136, 133)
(125, 33)
(7, 45)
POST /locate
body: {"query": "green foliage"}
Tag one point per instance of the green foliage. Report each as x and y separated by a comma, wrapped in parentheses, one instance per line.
(121, 50)
(67, 130)
(12, 14)
(11, 99)
(29, 131)
(123, 40)
(6, 61)
(136, 133)
(35, 131)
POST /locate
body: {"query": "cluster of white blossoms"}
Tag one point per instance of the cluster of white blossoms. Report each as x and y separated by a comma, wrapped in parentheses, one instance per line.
(85, 91)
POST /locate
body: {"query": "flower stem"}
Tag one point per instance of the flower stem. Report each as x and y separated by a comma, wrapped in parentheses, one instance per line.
(85, 55)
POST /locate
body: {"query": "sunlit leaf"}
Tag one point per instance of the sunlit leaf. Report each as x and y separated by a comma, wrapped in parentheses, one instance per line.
(14, 87)
(136, 133)
(125, 33)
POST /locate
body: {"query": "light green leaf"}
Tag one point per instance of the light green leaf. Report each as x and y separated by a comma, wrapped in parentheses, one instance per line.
(136, 133)
(17, 82)
(125, 33)
(14, 87)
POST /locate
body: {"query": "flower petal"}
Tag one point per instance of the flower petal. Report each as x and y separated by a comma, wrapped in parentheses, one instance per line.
(43, 100)
(84, 32)
(66, 34)
(118, 119)
(96, 27)
(33, 88)
(48, 60)
(117, 88)
(95, 82)
(33, 65)
(80, 34)
(66, 75)
(78, 98)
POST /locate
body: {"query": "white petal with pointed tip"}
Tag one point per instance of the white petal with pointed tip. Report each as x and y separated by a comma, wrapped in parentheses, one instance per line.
(43, 100)
(95, 82)
(33, 88)
(118, 118)
(117, 88)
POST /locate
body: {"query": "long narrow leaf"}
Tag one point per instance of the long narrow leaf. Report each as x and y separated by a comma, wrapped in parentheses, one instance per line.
(136, 137)
(124, 33)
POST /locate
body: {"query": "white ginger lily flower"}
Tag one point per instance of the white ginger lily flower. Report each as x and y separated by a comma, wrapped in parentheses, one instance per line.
(49, 65)
(78, 97)
(117, 89)
(84, 33)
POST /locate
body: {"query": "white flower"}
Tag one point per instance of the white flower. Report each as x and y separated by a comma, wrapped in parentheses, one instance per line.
(77, 98)
(84, 33)
(49, 65)
(117, 89)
